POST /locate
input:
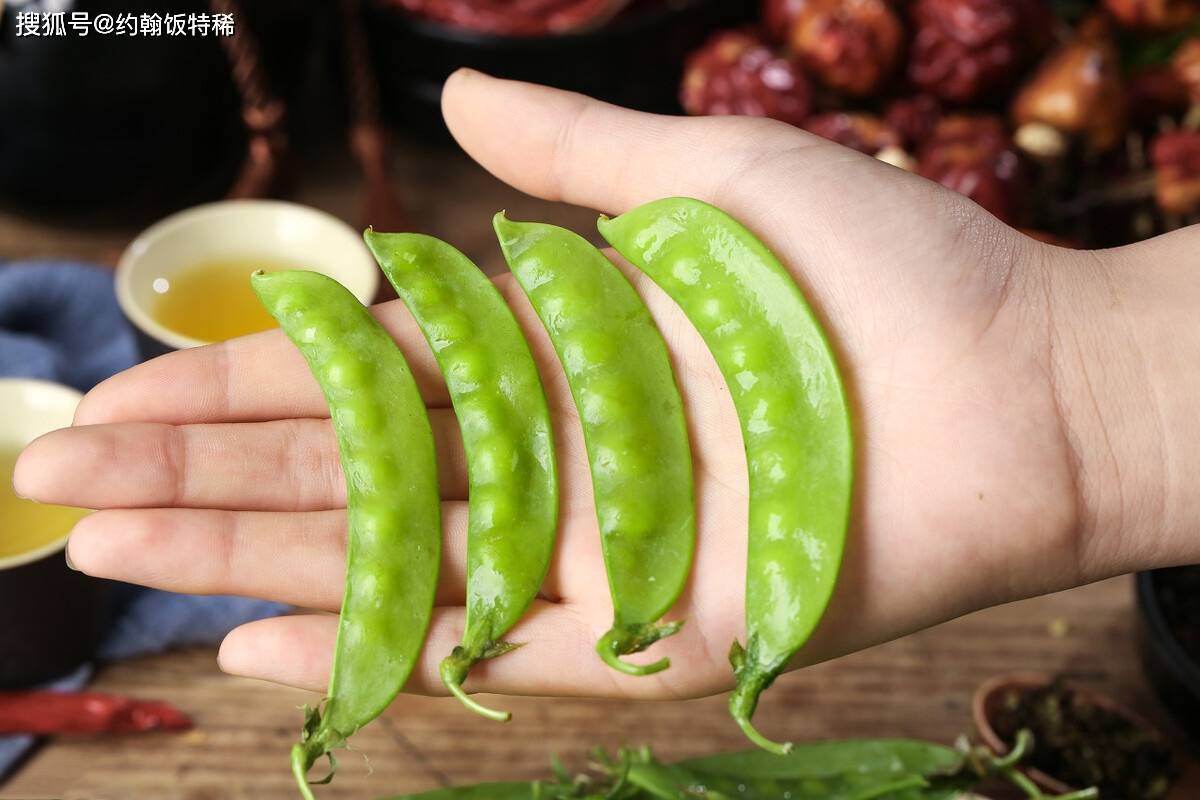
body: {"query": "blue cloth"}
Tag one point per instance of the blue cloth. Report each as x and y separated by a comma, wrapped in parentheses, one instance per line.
(61, 322)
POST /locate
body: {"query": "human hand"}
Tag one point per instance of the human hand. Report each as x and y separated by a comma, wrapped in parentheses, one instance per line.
(215, 470)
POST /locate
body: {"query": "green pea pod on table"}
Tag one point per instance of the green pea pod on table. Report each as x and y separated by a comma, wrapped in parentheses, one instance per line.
(888, 757)
(523, 790)
(868, 769)
(621, 379)
(784, 381)
(509, 444)
(677, 782)
(392, 503)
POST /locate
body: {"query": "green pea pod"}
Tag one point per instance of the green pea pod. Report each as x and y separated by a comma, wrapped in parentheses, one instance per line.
(392, 502)
(675, 782)
(784, 381)
(509, 444)
(523, 790)
(895, 757)
(620, 375)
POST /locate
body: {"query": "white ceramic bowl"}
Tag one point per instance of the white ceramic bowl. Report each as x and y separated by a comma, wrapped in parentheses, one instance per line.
(29, 408)
(272, 229)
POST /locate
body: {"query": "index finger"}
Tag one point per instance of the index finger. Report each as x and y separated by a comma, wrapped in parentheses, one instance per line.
(248, 379)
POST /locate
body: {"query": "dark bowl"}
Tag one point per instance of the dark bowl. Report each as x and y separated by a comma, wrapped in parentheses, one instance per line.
(989, 696)
(51, 619)
(1173, 673)
(634, 61)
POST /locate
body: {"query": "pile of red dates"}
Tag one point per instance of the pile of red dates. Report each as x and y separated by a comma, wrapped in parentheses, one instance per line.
(1078, 120)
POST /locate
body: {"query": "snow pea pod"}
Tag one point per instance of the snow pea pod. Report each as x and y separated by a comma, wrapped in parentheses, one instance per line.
(392, 503)
(505, 422)
(523, 790)
(895, 757)
(795, 422)
(677, 782)
(620, 375)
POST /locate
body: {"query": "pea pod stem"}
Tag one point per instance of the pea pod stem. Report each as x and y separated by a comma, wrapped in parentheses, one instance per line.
(453, 671)
(743, 700)
(634, 638)
(302, 759)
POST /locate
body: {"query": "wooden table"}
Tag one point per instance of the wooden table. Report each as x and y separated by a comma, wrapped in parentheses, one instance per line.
(918, 686)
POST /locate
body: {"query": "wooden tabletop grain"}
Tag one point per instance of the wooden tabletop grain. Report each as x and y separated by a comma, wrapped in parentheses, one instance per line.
(918, 686)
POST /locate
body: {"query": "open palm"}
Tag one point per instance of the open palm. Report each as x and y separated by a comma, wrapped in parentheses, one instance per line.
(216, 469)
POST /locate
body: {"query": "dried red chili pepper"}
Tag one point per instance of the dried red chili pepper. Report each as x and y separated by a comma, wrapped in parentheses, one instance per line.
(44, 713)
(777, 16)
(737, 73)
(1078, 91)
(1175, 157)
(865, 133)
(1186, 66)
(974, 156)
(1156, 15)
(913, 118)
(962, 49)
(850, 45)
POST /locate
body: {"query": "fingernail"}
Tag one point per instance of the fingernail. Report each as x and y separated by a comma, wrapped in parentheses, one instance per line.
(67, 555)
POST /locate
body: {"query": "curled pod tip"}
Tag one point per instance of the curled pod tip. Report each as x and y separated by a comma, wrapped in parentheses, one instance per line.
(625, 639)
(743, 700)
(453, 671)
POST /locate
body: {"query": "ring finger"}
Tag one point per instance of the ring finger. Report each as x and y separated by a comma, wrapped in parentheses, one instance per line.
(290, 557)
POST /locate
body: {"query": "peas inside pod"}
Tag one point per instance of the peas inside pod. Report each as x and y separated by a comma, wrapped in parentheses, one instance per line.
(621, 379)
(392, 503)
(505, 422)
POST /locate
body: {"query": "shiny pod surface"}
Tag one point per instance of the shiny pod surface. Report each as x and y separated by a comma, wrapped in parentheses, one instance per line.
(620, 375)
(392, 501)
(795, 422)
(509, 444)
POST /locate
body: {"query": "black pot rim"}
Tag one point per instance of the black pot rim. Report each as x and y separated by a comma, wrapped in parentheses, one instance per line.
(649, 18)
(1185, 669)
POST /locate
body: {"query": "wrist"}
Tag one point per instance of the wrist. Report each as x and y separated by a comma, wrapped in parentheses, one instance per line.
(1124, 356)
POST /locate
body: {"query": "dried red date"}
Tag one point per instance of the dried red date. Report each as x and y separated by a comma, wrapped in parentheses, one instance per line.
(865, 133)
(1157, 15)
(850, 45)
(1186, 66)
(777, 16)
(913, 118)
(973, 155)
(1155, 92)
(963, 49)
(1078, 91)
(1176, 160)
(736, 73)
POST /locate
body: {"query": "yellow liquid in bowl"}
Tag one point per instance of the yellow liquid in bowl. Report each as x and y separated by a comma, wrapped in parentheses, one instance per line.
(24, 524)
(212, 301)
